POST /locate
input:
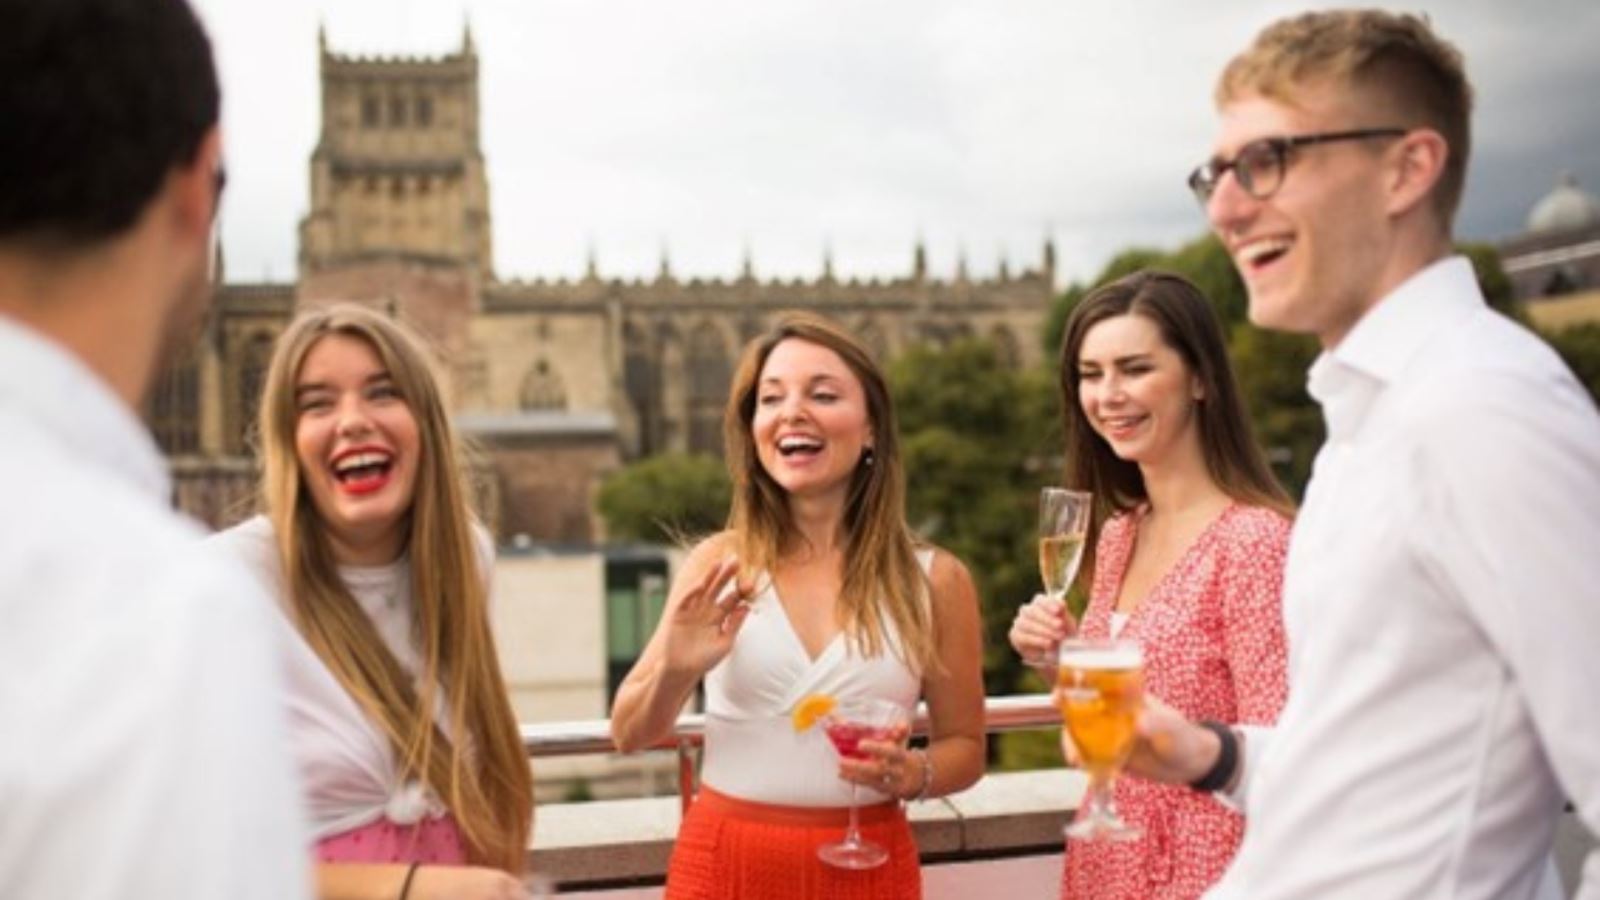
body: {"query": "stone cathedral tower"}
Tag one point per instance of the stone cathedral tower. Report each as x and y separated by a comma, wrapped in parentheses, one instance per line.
(557, 382)
(398, 169)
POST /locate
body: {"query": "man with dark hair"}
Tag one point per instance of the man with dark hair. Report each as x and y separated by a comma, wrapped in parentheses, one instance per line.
(1440, 597)
(143, 751)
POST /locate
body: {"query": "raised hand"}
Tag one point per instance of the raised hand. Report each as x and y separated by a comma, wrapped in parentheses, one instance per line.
(1039, 628)
(702, 625)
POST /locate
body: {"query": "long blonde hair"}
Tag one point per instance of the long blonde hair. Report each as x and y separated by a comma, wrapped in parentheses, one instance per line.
(882, 578)
(480, 769)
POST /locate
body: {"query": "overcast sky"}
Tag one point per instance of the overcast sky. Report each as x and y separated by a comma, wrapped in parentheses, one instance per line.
(787, 126)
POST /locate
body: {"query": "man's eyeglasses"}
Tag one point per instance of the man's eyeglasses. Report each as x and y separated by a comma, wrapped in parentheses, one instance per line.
(1260, 165)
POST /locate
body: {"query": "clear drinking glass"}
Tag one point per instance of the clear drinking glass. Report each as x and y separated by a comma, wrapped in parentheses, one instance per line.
(850, 723)
(1063, 526)
(1100, 687)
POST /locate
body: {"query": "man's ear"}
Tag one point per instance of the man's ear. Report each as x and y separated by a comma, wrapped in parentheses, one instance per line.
(196, 187)
(1417, 163)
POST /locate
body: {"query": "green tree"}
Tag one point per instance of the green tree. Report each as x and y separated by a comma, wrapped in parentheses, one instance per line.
(1271, 367)
(666, 499)
(1205, 263)
(979, 441)
(1579, 346)
(1055, 321)
(1129, 261)
(1492, 278)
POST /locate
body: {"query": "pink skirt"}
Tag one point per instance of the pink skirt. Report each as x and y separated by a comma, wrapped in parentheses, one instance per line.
(432, 841)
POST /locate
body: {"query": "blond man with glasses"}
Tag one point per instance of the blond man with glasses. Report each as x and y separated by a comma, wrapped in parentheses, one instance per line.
(1440, 594)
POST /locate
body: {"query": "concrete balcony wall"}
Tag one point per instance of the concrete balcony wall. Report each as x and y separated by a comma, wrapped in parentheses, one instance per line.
(1006, 827)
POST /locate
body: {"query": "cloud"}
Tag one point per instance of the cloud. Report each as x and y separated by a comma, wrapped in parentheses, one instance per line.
(788, 126)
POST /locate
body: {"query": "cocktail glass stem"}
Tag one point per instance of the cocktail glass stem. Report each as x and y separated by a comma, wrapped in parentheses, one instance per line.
(852, 834)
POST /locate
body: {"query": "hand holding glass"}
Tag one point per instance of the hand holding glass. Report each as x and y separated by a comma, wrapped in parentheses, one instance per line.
(1100, 687)
(1063, 526)
(850, 723)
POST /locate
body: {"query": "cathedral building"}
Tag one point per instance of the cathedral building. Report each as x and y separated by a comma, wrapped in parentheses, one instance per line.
(556, 383)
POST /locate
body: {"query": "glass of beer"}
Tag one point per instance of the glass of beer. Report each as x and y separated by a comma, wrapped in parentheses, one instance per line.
(1063, 523)
(1100, 688)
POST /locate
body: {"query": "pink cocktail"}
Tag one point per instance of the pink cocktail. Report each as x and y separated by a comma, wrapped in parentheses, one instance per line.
(847, 737)
(850, 723)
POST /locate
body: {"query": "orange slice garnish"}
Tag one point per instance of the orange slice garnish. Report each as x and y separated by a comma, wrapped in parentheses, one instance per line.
(810, 709)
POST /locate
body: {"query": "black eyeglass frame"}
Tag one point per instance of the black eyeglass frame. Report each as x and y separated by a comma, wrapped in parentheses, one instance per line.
(1204, 179)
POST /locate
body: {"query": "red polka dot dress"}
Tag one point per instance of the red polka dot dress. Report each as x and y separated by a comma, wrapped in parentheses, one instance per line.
(1212, 633)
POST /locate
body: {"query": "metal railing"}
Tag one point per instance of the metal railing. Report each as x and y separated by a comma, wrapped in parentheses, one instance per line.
(1020, 712)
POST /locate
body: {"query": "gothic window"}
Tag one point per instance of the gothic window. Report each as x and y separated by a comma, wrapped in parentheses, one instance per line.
(639, 380)
(397, 113)
(709, 372)
(175, 407)
(750, 327)
(542, 388)
(872, 336)
(424, 111)
(369, 112)
(473, 373)
(1006, 350)
(252, 378)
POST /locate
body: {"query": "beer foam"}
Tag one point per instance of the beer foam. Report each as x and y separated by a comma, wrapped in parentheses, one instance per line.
(1103, 658)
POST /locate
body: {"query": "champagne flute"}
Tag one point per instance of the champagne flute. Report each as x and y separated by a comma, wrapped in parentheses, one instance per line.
(847, 725)
(1063, 527)
(1100, 688)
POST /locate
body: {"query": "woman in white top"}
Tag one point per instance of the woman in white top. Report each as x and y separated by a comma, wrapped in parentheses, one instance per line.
(412, 768)
(817, 586)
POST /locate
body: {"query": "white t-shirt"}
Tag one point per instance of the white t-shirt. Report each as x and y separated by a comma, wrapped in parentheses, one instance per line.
(142, 750)
(349, 774)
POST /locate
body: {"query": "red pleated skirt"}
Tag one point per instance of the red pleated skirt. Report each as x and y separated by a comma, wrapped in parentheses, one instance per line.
(732, 849)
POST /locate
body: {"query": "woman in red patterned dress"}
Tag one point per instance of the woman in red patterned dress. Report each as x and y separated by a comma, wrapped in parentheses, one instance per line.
(1187, 543)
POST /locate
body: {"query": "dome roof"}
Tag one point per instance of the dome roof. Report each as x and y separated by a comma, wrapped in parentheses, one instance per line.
(1565, 208)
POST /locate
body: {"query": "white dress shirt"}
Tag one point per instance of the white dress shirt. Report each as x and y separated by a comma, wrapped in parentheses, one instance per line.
(142, 751)
(1442, 603)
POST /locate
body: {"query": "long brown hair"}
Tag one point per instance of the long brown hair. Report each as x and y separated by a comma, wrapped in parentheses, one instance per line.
(881, 576)
(1188, 324)
(479, 769)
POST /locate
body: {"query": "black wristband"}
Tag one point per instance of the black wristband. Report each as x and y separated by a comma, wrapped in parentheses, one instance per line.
(405, 886)
(1227, 759)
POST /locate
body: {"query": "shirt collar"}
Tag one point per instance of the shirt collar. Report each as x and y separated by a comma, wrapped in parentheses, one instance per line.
(1383, 342)
(46, 384)
(1385, 339)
